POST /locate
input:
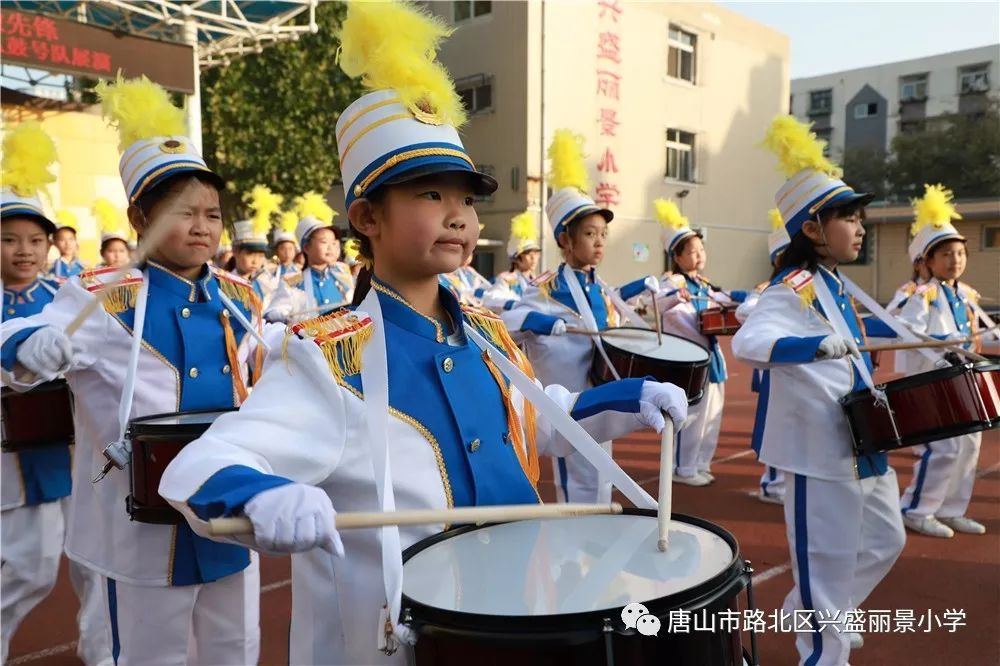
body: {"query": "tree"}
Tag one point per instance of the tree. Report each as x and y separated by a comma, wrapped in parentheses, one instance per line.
(961, 151)
(865, 169)
(270, 118)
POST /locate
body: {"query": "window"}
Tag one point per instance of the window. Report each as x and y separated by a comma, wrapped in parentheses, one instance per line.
(865, 110)
(825, 134)
(680, 155)
(463, 10)
(974, 79)
(681, 54)
(489, 170)
(476, 93)
(821, 102)
(791, 104)
(913, 88)
(991, 237)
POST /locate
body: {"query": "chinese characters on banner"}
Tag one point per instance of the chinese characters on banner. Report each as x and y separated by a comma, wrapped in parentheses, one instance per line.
(609, 78)
(36, 39)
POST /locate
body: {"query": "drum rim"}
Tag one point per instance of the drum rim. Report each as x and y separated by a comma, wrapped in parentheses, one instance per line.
(442, 619)
(694, 364)
(912, 381)
(140, 426)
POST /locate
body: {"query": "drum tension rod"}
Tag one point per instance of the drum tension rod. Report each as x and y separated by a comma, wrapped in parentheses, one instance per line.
(609, 648)
(748, 570)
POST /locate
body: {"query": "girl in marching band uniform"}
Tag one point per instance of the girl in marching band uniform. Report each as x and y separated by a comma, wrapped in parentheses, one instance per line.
(171, 336)
(523, 250)
(902, 359)
(397, 389)
(772, 481)
(841, 511)
(572, 293)
(937, 498)
(114, 235)
(688, 292)
(67, 264)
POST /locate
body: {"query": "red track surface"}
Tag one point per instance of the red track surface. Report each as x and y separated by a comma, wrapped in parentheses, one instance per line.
(935, 574)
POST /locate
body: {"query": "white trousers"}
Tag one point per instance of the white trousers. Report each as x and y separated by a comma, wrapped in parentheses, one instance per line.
(576, 479)
(943, 478)
(772, 482)
(844, 537)
(31, 543)
(215, 624)
(94, 645)
(697, 441)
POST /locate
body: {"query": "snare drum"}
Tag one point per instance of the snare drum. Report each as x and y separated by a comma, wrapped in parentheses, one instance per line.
(925, 408)
(718, 321)
(638, 352)
(41, 417)
(156, 441)
(542, 592)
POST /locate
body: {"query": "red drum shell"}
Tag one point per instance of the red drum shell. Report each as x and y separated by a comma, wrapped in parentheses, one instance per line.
(718, 321)
(929, 406)
(40, 417)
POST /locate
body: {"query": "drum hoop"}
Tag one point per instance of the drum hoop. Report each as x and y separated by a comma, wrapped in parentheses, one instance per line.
(609, 346)
(140, 427)
(913, 381)
(520, 627)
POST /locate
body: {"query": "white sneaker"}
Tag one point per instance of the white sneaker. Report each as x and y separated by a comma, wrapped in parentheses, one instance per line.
(770, 499)
(964, 525)
(856, 639)
(928, 525)
(695, 480)
(708, 475)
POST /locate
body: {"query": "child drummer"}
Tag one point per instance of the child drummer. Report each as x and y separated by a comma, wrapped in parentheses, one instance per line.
(455, 433)
(572, 293)
(167, 588)
(938, 497)
(67, 264)
(687, 293)
(523, 250)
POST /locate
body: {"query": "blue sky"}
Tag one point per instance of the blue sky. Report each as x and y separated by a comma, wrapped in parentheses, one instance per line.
(828, 37)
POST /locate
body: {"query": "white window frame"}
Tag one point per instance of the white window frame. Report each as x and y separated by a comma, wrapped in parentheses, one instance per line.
(474, 82)
(681, 147)
(681, 46)
(472, 9)
(972, 72)
(917, 81)
(861, 110)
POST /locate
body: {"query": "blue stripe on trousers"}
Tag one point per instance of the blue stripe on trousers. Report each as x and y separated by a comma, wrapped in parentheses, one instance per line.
(802, 562)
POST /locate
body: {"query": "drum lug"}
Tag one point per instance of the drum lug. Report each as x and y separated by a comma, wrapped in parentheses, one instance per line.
(407, 616)
(609, 648)
(748, 570)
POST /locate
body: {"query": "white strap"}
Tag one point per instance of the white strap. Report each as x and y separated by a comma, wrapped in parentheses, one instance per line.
(128, 391)
(840, 327)
(564, 424)
(47, 287)
(583, 307)
(375, 380)
(312, 300)
(978, 311)
(243, 320)
(897, 326)
(624, 308)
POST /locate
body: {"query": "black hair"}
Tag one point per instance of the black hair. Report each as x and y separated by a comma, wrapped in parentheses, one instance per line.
(105, 243)
(160, 192)
(231, 264)
(363, 282)
(801, 252)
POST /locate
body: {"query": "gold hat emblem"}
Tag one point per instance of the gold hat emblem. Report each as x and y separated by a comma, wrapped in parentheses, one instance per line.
(425, 113)
(172, 146)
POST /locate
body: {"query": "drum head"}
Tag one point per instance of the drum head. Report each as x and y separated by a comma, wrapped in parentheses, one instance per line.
(646, 343)
(588, 564)
(175, 423)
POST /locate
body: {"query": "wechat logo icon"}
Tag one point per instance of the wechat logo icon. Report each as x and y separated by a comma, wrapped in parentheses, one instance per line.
(636, 616)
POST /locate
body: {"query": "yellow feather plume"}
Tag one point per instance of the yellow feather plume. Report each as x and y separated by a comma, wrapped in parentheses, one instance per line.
(264, 203)
(224, 239)
(775, 216)
(312, 204)
(65, 218)
(524, 227)
(934, 208)
(797, 147)
(108, 218)
(288, 221)
(352, 246)
(28, 153)
(393, 45)
(669, 215)
(567, 166)
(139, 109)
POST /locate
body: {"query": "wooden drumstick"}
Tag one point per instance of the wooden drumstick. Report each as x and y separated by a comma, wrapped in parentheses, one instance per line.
(921, 344)
(465, 515)
(666, 483)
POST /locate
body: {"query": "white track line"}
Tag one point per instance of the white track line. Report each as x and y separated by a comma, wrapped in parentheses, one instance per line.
(66, 647)
(767, 575)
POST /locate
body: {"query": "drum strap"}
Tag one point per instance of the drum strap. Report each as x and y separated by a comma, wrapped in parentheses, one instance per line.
(564, 424)
(375, 379)
(583, 307)
(897, 326)
(978, 311)
(138, 325)
(841, 328)
(631, 315)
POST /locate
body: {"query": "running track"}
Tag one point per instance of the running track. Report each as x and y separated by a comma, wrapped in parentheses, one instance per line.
(935, 574)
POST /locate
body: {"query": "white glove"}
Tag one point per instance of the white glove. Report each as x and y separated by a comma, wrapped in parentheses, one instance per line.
(294, 518)
(943, 363)
(834, 347)
(558, 328)
(47, 352)
(656, 398)
(652, 284)
(278, 315)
